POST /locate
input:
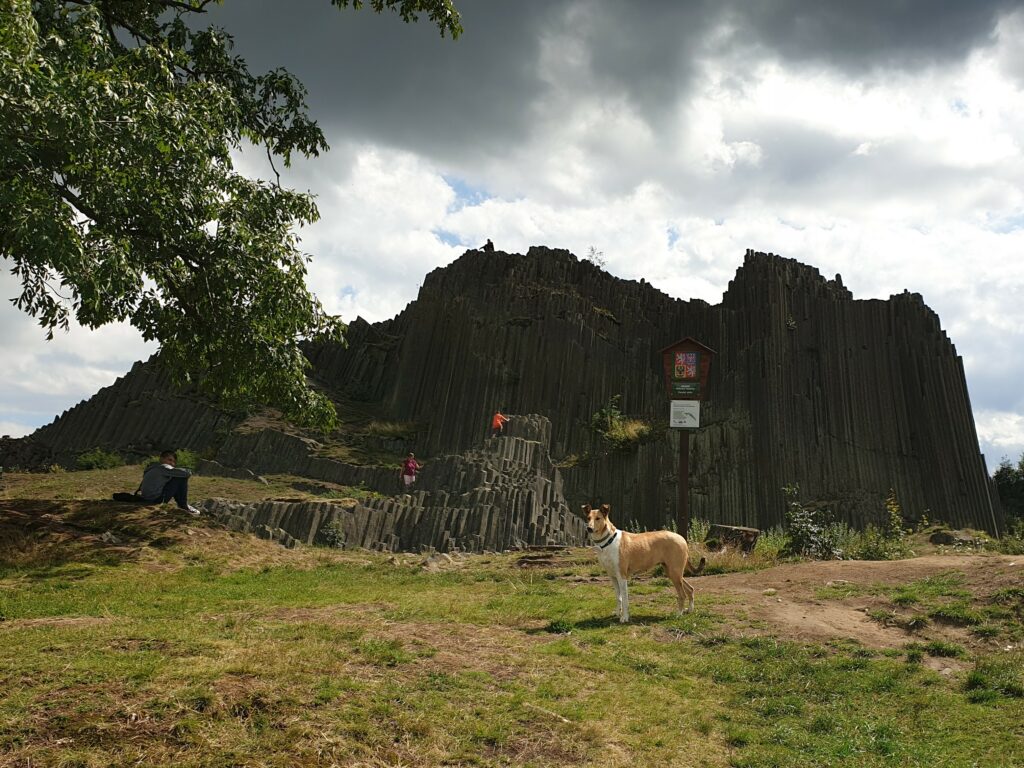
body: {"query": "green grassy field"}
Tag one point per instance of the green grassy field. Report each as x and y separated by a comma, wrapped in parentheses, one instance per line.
(184, 644)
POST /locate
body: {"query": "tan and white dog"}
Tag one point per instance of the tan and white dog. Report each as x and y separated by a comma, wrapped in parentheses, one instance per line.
(623, 554)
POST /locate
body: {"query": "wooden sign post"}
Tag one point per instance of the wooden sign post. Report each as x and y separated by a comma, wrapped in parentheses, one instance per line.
(686, 364)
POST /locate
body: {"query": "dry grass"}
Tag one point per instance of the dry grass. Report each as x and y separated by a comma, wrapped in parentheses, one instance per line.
(399, 430)
(100, 484)
(189, 645)
(630, 431)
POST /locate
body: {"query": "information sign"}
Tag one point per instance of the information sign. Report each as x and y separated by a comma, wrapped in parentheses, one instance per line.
(684, 414)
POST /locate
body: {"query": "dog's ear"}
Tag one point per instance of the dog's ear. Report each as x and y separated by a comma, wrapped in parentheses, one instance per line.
(606, 508)
(586, 509)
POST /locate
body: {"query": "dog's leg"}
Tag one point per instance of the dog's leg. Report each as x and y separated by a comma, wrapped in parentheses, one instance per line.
(618, 594)
(689, 592)
(684, 591)
(622, 586)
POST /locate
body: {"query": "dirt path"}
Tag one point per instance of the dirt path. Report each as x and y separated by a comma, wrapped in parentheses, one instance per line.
(784, 602)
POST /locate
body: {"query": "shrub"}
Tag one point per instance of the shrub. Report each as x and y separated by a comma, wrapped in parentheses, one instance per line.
(617, 429)
(807, 534)
(97, 458)
(332, 535)
(698, 530)
(871, 544)
(1012, 541)
(885, 542)
(841, 538)
(186, 458)
(771, 543)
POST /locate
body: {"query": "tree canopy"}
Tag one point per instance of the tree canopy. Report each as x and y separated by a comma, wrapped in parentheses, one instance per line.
(119, 200)
(1010, 484)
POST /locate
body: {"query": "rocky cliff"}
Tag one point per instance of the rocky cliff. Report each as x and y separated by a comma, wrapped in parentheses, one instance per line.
(847, 398)
(505, 493)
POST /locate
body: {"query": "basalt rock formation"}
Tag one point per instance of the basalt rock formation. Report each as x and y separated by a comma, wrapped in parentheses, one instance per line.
(502, 495)
(847, 398)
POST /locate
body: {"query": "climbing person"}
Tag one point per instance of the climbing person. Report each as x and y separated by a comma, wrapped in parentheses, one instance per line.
(488, 246)
(407, 474)
(497, 423)
(163, 480)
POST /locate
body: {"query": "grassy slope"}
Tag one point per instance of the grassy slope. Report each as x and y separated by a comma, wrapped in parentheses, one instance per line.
(185, 644)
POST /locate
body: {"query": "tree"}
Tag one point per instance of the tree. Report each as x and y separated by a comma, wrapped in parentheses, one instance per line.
(119, 199)
(1010, 484)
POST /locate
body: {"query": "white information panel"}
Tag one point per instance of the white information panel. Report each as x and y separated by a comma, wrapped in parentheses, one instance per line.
(684, 414)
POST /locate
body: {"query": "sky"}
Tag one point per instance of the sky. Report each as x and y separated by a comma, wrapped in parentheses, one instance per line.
(881, 141)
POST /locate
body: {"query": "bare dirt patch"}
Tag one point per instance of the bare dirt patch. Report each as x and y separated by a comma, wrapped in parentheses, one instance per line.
(783, 601)
(56, 621)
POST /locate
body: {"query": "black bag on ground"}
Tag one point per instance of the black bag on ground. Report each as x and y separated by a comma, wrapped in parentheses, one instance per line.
(132, 498)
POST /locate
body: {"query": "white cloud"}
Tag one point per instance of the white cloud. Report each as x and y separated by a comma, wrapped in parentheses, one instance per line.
(15, 429)
(1001, 434)
(43, 378)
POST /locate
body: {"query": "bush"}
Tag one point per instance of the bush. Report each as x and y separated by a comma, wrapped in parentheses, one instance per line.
(187, 458)
(698, 530)
(885, 542)
(1012, 540)
(810, 534)
(615, 428)
(97, 458)
(771, 543)
(807, 534)
(332, 535)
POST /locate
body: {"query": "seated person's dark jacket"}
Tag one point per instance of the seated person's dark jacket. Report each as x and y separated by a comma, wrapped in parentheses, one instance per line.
(156, 477)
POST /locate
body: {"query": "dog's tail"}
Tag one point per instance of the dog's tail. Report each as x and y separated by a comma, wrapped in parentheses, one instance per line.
(691, 571)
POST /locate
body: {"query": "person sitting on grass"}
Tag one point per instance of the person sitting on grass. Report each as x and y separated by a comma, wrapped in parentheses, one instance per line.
(163, 481)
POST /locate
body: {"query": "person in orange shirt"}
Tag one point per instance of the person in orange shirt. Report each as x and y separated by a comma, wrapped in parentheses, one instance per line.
(497, 423)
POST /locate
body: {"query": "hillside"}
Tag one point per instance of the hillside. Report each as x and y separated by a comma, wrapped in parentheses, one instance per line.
(144, 636)
(846, 398)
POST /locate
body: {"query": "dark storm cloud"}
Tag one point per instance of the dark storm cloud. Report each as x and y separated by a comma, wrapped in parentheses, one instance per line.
(868, 34)
(376, 79)
(647, 56)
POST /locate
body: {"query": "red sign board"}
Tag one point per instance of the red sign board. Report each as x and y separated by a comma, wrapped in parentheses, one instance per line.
(686, 366)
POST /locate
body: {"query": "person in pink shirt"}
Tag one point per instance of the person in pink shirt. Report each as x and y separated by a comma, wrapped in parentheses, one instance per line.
(407, 475)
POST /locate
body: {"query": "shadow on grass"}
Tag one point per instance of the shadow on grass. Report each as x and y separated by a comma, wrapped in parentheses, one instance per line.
(39, 535)
(563, 626)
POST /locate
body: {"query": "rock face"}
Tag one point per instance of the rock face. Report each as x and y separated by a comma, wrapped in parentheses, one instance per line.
(505, 494)
(846, 398)
(140, 413)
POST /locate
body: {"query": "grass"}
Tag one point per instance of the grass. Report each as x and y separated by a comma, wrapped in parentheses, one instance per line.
(196, 646)
(399, 430)
(942, 599)
(101, 483)
(997, 676)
